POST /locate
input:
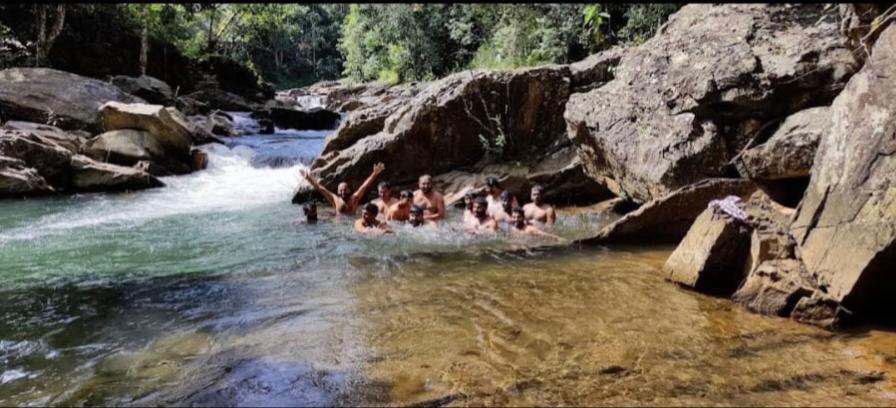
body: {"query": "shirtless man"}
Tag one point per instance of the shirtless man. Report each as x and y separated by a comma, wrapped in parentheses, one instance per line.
(469, 199)
(537, 210)
(431, 201)
(503, 213)
(401, 210)
(493, 196)
(481, 220)
(343, 202)
(519, 226)
(416, 217)
(368, 224)
(385, 199)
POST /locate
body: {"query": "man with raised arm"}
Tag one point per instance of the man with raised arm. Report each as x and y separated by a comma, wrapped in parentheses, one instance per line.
(343, 202)
(432, 202)
(538, 210)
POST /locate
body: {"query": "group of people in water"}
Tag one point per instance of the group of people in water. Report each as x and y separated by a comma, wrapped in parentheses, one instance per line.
(426, 206)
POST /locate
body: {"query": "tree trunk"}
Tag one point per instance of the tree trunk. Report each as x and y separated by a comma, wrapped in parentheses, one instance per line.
(210, 44)
(144, 39)
(46, 37)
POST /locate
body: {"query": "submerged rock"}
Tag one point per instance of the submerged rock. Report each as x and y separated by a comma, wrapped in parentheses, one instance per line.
(58, 98)
(845, 227)
(668, 218)
(684, 103)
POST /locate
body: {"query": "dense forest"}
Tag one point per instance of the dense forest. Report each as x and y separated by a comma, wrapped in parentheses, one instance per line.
(297, 44)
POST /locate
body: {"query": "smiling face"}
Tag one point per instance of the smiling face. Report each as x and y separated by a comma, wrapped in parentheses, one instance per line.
(343, 192)
(384, 192)
(479, 208)
(425, 184)
(536, 196)
(518, 219)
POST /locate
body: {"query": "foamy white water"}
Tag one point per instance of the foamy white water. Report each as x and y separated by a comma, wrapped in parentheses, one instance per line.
(230, 183)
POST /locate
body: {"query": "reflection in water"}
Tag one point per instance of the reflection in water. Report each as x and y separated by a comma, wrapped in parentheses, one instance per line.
(201, 293)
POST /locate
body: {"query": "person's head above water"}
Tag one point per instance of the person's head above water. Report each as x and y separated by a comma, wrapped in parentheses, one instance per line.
(370, 213)
(416, 215)
(406, 197)
(343, 192)
(310, 209)
(479, 207)
(493, 186)
(506, 201)
(384, 190)
(535, 194)
(469, 198)
(518, 218)
(425, 183)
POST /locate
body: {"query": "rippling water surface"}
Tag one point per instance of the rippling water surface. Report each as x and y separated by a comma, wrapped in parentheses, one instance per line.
(205, 293)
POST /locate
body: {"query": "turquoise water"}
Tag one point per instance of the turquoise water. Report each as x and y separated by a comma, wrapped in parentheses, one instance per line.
(205, 293)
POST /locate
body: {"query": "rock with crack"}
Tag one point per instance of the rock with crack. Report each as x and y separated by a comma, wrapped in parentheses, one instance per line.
(668, 219)
(70, 140)
(169, 128)
(790, 150)
(19, 180)
(845, 227)
(685, 102)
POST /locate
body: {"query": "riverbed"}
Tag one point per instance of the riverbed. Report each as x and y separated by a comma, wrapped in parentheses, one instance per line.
(205, 292)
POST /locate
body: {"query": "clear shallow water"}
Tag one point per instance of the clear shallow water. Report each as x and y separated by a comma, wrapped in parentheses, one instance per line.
(204, 293)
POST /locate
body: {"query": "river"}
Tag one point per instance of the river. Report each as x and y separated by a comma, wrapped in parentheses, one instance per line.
(204, 293)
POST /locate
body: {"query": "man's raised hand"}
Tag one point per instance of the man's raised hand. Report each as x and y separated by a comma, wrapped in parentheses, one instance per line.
(378, 168)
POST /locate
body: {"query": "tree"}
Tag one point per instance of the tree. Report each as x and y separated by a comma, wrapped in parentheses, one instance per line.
(46, 34)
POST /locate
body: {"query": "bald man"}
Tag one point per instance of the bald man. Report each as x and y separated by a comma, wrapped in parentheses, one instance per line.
(343, 202)
(432, 202)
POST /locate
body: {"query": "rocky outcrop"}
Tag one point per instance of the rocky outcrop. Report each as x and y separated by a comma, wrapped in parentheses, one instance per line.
(845, 227)
(215, 98)
(31, 164)
(19, 180)
(92, 176)
(790, 150)
(711, 256)
(150, 89)
(312, 119)
(166, 125)
(125, 147)
(71, 141)
(508, 122)
(668, 219)
(684, 103)
(57, 98)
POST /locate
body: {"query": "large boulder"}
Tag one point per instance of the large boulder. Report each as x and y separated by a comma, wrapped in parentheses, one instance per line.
(169, 128)
(668, 219)
(845, 227)
(685, 102)
(49, 159)
(790, 150)
(711, 256)
(150, 89)
(125, 147)
(474, 117)
(57, 98)
(92, 176)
